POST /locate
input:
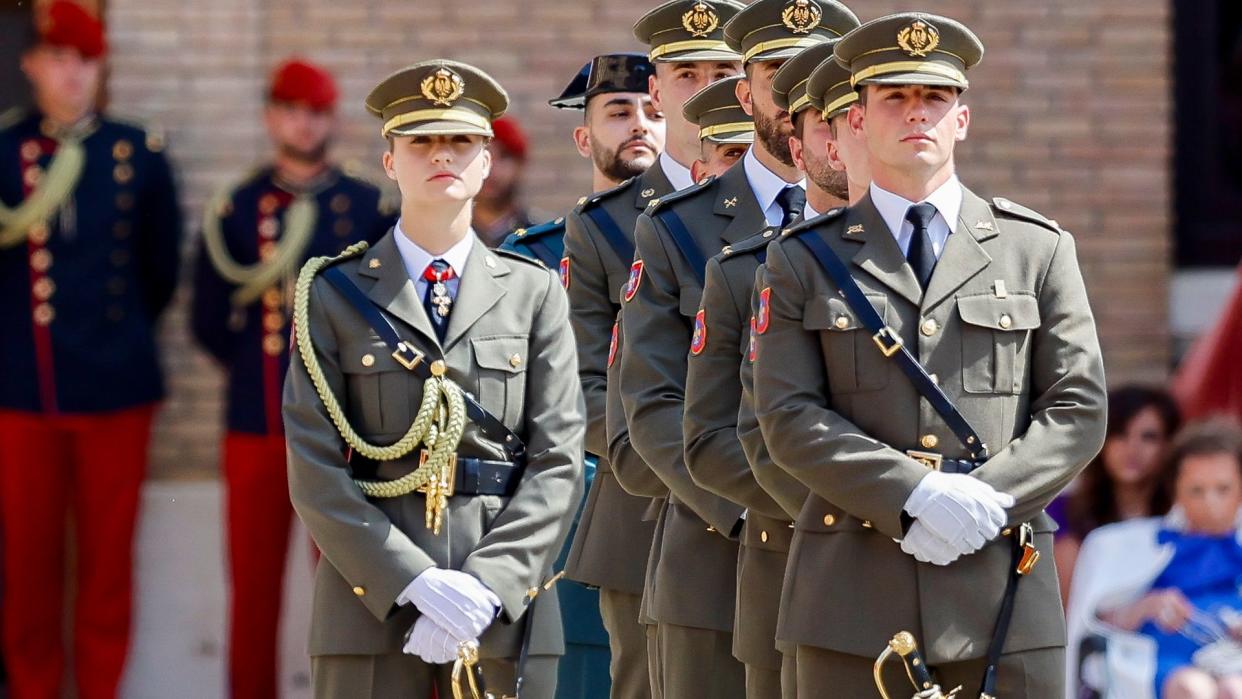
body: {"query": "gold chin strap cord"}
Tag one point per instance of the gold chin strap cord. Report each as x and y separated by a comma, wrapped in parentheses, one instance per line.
(438, 425)
(299, 226)
(57, 184)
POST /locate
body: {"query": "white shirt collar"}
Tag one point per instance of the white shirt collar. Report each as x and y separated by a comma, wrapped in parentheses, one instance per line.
(416, 259)
(809, 212)
(678, 175)
(766, 185)
(892, 207)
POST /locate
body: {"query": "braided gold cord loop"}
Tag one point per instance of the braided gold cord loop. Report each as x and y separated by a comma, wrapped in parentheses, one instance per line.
(438, 425)
(252, 280)
(57, 185)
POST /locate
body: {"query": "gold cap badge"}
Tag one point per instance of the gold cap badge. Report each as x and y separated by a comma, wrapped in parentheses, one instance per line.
(801, 16)
(700, 20)
(443, 87)
(919, 38)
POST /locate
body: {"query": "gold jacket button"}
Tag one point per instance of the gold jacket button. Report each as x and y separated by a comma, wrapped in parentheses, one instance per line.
(867, 523)
(829, 520)
(40, 260)
(368, 360)
(360, 590)
(842, 322)
(44, 314)
(763, 536)
(1005, 321)
(929, 327)
(515, 361)
(1006, 532)
(44, 288)
(929, 441)
(273, 345)
(39, 233)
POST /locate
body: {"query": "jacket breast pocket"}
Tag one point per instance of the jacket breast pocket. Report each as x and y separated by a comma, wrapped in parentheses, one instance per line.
(851, 357)
(378, 389)
(501, 386)
(996, 338)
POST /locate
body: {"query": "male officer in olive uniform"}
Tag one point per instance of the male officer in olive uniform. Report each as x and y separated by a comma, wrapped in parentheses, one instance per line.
(434, 423)
(256, 235)
(622, 134)
(726, 131)
(828, 103)
(89, 241)
(988, 298)
(694, 575)
(714, 454)
(685, 44)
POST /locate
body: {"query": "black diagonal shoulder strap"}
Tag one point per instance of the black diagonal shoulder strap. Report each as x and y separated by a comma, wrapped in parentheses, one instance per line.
(612, 233)
(415, 361)
(889, 343)
(685, 243)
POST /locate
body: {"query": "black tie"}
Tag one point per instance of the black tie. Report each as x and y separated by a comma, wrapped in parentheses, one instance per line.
(438, 300)
(921, 256)
(792, 201)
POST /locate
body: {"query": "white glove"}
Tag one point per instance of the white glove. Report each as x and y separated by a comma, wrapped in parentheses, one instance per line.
(927, 547)
(455, 600)
(431, 642)
(962, 510)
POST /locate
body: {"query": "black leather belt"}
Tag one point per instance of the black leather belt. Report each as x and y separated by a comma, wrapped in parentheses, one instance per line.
(472, 476)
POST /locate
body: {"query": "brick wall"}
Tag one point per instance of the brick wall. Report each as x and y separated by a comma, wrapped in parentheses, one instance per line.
(1071, 117)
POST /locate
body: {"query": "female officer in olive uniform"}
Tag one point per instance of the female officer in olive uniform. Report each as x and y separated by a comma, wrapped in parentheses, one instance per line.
(434, 422)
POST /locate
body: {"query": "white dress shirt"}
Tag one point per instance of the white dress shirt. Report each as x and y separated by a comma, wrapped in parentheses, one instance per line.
(948, 202)
(809, 212)
(678, 175)
(416, 260)
(766, 185)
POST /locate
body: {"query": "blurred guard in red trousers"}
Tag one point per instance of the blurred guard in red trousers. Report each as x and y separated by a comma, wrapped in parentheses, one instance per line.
(256, 235)
(89, 232)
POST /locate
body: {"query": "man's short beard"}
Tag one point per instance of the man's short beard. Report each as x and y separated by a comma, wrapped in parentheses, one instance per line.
(613, 166)
(313, 155)
(834, 182)
(774, 138)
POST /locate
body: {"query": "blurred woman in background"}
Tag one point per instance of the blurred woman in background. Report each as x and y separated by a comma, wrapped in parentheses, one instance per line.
(1124, 480)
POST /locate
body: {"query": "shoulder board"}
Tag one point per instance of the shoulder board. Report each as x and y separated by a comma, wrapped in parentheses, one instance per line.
(556, 225)
(598, 197)
(245, 180)
(1008, 208)
(359, 179)
(753, 244)
(515, 255)
(389, 201)
(13, 116)
(813, 222)
(695, 188)
(153, 133)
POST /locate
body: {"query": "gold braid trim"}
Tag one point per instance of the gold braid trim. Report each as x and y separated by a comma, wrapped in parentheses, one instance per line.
(58, 183)
(253, 280)
(439, 423)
